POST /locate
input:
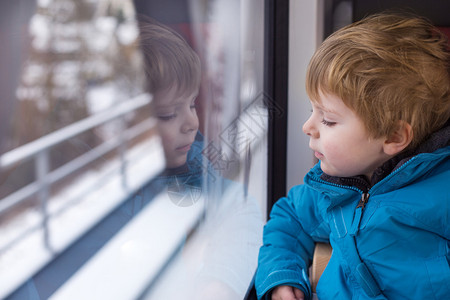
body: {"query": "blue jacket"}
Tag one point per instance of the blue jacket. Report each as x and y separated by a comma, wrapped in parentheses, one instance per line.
(390, 240)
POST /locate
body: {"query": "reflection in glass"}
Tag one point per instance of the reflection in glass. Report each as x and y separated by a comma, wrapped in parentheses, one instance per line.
(217, 258)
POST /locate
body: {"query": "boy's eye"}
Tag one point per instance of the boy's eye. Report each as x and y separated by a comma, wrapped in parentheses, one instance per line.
(328, 123)
(167, 118)
(193, 103)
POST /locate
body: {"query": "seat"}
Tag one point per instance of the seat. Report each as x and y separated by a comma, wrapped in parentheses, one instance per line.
(322, 254)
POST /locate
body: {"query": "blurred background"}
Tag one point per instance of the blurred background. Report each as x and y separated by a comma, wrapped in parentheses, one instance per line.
(88, 208)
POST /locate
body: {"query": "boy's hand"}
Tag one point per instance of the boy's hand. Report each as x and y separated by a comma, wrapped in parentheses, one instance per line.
(285, 292)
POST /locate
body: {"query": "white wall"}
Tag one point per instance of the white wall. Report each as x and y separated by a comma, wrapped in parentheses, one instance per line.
(305, 34)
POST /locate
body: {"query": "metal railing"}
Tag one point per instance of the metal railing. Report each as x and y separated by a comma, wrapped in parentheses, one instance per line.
(39, 151)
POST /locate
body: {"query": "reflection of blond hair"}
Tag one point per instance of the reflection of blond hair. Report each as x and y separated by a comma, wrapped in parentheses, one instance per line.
(386, 68)
(169, 60)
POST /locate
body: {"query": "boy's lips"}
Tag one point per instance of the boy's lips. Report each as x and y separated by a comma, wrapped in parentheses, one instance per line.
(318, 155)
(184, 148)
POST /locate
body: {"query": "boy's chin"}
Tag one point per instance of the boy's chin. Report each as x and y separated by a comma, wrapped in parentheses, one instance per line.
(335, 173)
(329, 171)
(176, 163)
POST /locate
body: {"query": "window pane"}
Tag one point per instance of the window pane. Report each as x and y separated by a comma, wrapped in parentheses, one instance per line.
(76, 128)
(217, 258)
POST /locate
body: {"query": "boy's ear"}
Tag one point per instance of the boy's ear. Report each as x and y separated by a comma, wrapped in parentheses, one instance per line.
(400, 138)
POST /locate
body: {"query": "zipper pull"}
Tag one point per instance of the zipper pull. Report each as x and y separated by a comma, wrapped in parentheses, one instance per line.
(358, 213)
(364, 199)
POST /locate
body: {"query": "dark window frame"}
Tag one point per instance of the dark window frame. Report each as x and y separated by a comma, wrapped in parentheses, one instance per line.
(276, 87)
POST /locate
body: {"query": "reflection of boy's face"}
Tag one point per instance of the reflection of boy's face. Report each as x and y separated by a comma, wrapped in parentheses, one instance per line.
(177, 123)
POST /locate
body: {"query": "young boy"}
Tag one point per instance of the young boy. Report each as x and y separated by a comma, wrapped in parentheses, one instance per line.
(380, 95)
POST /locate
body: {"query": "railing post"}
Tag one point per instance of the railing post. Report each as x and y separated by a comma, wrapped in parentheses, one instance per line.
(122, 152)
(42, 169)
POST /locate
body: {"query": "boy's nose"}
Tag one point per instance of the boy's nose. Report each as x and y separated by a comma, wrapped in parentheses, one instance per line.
(190, 122)
(309, 129)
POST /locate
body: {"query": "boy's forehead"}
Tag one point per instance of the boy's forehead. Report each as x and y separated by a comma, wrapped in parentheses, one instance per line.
(322, 107)
(173, 96)
(319, 97)
(330, 103)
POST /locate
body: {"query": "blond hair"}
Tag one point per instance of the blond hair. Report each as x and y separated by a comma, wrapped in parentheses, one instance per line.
(169, 60)
(386, 68)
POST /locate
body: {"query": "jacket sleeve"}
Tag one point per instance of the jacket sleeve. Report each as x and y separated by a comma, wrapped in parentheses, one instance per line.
(288, 245)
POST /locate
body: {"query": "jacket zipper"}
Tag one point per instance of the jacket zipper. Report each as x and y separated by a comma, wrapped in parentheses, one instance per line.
(358, 214)
(364, 199)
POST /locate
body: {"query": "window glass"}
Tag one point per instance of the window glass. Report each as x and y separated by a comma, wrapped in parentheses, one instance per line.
(218, 258)
(133, 148)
